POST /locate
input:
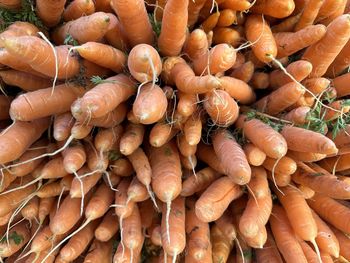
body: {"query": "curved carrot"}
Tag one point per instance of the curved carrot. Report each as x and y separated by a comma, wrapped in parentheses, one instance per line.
(237, 89)
(309, 14)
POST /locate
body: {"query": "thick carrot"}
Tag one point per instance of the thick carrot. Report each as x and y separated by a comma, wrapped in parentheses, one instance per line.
(232, 157)
(107, 228)
(237, 89)
(221, 107)
(103, 55)
(221, 245)
(187, 82)
(62, 126)
(338, 33)
(15, 140)
(280, 99)
(340, 84)
(51, 190)
(284, 165)
(150, 105)
(207, 154)
(50, 12)
(326, 239)
(16, 63)
(341, 62)
(259, 32)
(299, 69)
(78, 243)
(236, 5)
(198, 234)
(330, 10)
(197, 44)
(104, 97)
(285, 238)
(254, 155)
(269, 253)
(219, 59)
(28, 107)
(317, 142)
(258, 133)
(134, 20)
(132, 138)
(137, 192)
(258, 185)
(53, 169)
(199, 181)
(23, 80)
(84, 29)
(80, 187)
(274, 8)
(78, 8)
(112, 118)
(258, 240)
(115, 34)
(74, 158)
(20, 236)
(227, 18)
(309, 14)
(216, 198)
(344, 243)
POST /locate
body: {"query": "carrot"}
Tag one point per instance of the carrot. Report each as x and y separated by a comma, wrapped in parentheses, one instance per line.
(237, 89)
(156, 235)
(330, 10)
(193, 129)
(289, 43)
(27, 107)
(10, 4)
(260, 80)
(134, 20)
(236, 5)
(45, 205)
(255, 216)
(275, 8)
(244, 72)
(232, 157)
(78, 8)
(299, 69)
(340, 84)
(207, 154)
(219, 59)
(227, 35)
(259, 240)
(298, 115)
(198, 234)
(341, 62)
(74, 158)
(280, 99)
(227, 18)
(227, 226)
(161, 133)
(258, 132)
(51, 190)
(89, 28)
(344, 243)
(137, 192)
(287, 25)
(80, 187)
(187, 104)
(104, 97)
(221, 245)
(341, 139)
(210, 22)
(284, 165)
(31, 209)
(184, 147)
(23, 80)
(19, 136)
(150, 105)
(112, 118)
(80, 130)
(189, 162)
(258, 185)
(107, 228)
(197, 44)
(254, 155)
(113, 59)
(108, 139)
(122, 167)
(326, 239)
(194, 9)
(269, 253)
(132, 138)
(148, 214)
(115, 34)
(259, 32)
(16, 63)
(50, 12)
(308, 252)
(338, 33)
(99, 252)
(77, 244)
(187, 82)
(103, 5)
(307, 192)
(18, 236)
(309, 14)
(199, 181)
(221, 107)
(53, 169)
(285, 237)
(208, 206)
(62, 126)
(125, 208)
(317, 142)
(174, 235)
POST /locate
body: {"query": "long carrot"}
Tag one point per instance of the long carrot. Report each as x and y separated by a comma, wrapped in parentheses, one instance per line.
(23, 80)
(338, 33)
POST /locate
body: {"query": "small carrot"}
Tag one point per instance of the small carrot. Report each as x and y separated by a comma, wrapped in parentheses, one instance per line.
(107, 228)
(25, 81)
(232, 157)
(161, 133)
(284, 165)
(74, 158)
(309, 14)
(122, 167)
(62, 126)
(50, 12)
(227, 35)
(274, 8)
(31, 209)
(150, 105)
(260, 80)
(259, 32)
(193, 129)
(137, 192)
(254, 155)
(197, 44)
(244, 72)
(51, 190)
(210, 22)
(208, 206)
(103, 5)
(194, 9)
(132, 138)
(78, 8)
(298, 115)
(236, 5)
(237, 89)
(221, 245)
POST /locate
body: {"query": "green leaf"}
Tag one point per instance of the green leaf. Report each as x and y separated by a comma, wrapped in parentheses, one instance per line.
(98, 80)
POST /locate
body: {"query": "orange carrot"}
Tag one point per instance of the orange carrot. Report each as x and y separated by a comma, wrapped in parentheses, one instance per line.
(62, 126)
(123, 208)
(341, 62)
(338, 33)
(269, 253)
(78, 8)
(115, 34)
(150, 105)
(197, 44)
(254, 155)
(137, 192)
(80, 130)
(99, 252)
(50, 12)
(207, 154)
(27, 107)
(132, 138)
(285, 238)
(244, 72)
(236, 5)
(259, 33)
(216, 198)
(161, 133)
(340, 84)
(16, 63)
(103, 5)
(298, 115)
(227, 226)
(187, 104)
(309, 14)
(274, 8)
(227, 35)
(184, 147)
(51, 190)
(107, 228)
(134, 20)
(112, 118)
(74, 158)
(193, 129)
(316, 85)
(122, 167)
(237, 89)
(260, 80)
(232, 157)
(84, 29)
(31, 209)
(194, 9)
(45, 206)
(344, 243)
(287, 25)
(284, 165)
(10, 4)
(23, 80)
(330, 10)
(221, 245)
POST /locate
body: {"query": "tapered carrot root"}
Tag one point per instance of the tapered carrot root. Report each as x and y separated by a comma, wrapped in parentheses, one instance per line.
(161, 133)
(309, 14)
(341, 62)
(107, 228)
(221, 245)
(275, 8)
(27, 107)
(25, 81)
(78, 8)
(237, 89)
(197, 43)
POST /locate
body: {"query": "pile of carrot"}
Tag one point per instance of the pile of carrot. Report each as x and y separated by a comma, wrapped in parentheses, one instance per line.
(175, 131)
